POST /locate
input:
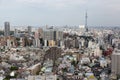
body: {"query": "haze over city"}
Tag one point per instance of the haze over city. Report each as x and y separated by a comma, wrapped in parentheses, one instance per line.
(60, 12)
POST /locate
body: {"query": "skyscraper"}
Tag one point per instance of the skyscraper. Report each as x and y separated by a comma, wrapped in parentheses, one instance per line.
(37, 40)
(29, 30)
(53, 35)
(6, 29)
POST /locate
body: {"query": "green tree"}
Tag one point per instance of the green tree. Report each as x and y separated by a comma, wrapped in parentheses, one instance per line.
(13, 68)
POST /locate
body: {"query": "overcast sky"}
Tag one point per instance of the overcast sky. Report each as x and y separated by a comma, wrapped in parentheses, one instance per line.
(60, 12)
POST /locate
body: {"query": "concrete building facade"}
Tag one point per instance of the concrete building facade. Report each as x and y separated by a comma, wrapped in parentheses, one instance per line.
(116, 62)
(6, 29)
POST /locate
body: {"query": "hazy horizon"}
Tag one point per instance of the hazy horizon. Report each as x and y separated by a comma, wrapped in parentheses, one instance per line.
(60, 12)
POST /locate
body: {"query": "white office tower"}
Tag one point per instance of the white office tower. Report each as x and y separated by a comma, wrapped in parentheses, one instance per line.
(82, 42)
(21, 42)
(37, 41)
(16, 33)
(8, 43)
(97, 51)
(90, 44)
(61, 44)
(115, 64)
(45, 43)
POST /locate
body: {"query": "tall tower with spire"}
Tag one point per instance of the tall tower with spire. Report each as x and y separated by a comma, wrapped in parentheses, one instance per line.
(86, 17)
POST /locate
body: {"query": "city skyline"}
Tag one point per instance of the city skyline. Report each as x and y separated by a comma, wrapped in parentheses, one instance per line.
(60, 12)
(59, 40)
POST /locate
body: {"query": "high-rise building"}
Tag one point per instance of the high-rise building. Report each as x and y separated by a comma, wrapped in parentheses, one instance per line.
(6, 29)
(16, 33)
(52, 35)
(37, 40)
(116, 62)
(48, 35)
(40, 32)
(29, 30)
(110, 38)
